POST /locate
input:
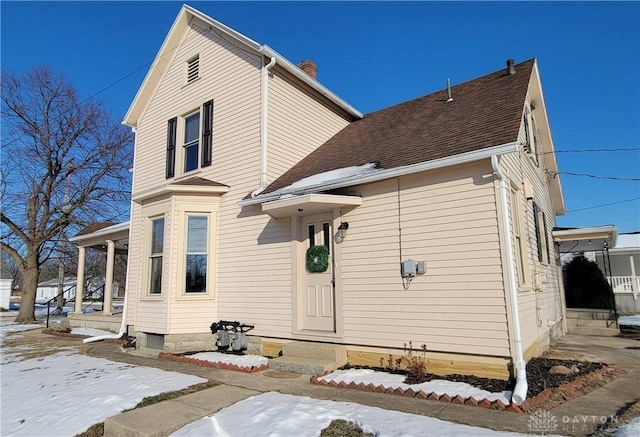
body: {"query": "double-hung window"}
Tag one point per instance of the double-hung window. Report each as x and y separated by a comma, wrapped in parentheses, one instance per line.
(196, 140)
(191, 141)
(541, 234)
(516, 219)
(155, 256)
(196, 253)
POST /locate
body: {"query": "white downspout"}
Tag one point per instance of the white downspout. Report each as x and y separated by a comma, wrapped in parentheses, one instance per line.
(123, 324)
(520, 391)
(264, 123)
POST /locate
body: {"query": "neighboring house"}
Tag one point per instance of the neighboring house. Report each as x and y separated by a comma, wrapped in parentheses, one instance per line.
(622, 268)
(49, 289)
(243, 161)
(5, 292)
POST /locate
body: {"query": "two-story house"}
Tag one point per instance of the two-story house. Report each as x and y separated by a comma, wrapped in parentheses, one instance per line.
(435, 214)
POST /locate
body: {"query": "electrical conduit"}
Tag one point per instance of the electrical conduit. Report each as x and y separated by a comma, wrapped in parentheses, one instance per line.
(520, 391)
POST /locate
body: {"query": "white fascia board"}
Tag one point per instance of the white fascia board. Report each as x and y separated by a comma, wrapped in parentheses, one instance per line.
(118, 227)
(304, 77)
(463, 158)
(607, 232)
(179, 189)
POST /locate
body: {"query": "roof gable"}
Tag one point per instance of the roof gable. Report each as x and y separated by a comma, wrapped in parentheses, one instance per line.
(485, 112)
(174, 38)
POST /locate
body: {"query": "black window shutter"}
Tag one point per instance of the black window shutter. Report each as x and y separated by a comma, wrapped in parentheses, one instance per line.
(171, 148)
(546, 235)
(207, 128)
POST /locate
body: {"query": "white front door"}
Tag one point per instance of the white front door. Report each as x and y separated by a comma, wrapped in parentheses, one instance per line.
(317, 307)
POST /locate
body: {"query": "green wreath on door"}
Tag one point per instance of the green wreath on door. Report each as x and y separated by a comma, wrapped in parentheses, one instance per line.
(317, 259)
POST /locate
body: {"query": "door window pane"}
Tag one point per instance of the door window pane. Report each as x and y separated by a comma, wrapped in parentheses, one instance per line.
(312, 235)
(327, 235)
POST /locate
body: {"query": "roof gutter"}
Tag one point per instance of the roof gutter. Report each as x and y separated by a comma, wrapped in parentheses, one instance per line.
(463, 158)
(520, 390)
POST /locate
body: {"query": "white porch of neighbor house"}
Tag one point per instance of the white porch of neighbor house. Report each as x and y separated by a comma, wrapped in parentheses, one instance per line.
(113, 239)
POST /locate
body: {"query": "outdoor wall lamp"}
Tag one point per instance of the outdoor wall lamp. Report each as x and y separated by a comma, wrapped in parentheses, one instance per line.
(342, 230)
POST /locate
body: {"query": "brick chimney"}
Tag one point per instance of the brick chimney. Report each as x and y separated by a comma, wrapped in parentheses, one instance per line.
(310, 68)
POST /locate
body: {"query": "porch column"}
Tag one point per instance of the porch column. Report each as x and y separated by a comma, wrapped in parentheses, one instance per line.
(108, 283)
(80, 280)
(634, 279)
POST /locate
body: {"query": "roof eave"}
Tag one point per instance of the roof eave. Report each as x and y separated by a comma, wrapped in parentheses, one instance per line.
(390, 173)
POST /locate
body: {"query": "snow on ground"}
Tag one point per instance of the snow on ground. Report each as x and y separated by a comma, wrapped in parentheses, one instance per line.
(238, 360)
(65, 393)
(630, 429)
(438, 386)
(276, 414)
(633, 320)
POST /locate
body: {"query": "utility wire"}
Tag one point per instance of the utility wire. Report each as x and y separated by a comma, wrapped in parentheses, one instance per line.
(606, 204)
(615, 178)
(629, 149)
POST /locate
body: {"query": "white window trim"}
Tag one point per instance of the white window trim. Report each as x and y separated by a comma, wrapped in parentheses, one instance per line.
(180, 144)
(183, 276)
(520, 250)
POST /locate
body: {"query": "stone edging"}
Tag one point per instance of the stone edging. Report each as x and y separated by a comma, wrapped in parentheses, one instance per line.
(547, 399)
(205, 363)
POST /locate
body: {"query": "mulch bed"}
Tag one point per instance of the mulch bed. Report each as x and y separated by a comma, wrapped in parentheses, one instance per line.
(545, 390)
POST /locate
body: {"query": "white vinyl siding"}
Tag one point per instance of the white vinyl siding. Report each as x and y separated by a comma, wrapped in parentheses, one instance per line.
(450, 222)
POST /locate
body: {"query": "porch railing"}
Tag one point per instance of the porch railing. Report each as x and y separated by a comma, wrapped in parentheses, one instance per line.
(625, 284)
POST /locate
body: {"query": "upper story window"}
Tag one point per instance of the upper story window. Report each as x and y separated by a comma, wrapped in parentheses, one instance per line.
(518, 235)
(193, 68)
(196, 140)
(191, 141)
(530, 135)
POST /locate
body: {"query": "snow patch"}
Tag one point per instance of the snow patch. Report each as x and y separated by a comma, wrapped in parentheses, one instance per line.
(329, 176)
(633, 320)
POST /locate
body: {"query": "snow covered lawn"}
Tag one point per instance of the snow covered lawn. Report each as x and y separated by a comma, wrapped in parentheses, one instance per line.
(65, 393)
(276, 414)
(438, 386)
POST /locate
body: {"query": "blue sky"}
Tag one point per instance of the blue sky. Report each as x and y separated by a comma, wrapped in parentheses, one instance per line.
(376, 54)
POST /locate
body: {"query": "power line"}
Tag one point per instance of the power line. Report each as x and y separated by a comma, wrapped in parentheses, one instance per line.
(615, 178)
(629, 149)
(606, 204)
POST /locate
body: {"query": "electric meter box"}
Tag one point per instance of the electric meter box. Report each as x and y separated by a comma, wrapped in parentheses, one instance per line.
(408, 268)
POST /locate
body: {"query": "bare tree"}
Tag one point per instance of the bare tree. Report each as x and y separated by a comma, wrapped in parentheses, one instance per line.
(65, 163)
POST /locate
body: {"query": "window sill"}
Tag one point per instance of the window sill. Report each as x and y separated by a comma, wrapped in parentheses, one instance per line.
(525, 288)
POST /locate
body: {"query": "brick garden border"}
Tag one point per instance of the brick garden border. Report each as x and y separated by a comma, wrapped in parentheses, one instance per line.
(547, 399)
(217, 364)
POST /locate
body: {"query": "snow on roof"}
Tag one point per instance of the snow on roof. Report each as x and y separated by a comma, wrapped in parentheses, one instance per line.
(628, 241)
(323, 178)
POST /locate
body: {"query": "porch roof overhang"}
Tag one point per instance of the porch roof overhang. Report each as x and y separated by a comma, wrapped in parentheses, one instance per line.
(308, 204)
(118, 233)
(591, 239)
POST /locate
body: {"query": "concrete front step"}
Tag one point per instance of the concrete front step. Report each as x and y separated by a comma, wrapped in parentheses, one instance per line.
(318, 351)
(307, 366)
(588, 323)
(600, 332)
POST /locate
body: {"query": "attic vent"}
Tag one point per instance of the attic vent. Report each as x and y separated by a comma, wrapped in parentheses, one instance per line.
(193, 68)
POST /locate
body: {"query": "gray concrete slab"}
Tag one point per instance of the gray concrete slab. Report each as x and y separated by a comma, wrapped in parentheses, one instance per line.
(163, 418)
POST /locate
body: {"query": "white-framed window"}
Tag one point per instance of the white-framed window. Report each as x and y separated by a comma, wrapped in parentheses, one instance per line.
(531, 142)
(191, 144)
(194, 130)
(542, 238)
(197, 253)
(518, 236)
(192, 69)
(156, 253)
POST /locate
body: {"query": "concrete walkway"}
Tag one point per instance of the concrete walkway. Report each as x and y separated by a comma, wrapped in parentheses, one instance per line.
(578, 417)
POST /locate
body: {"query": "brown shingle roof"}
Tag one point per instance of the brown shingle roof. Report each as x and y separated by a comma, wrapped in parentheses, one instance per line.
(485, 112)
(200, 182)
